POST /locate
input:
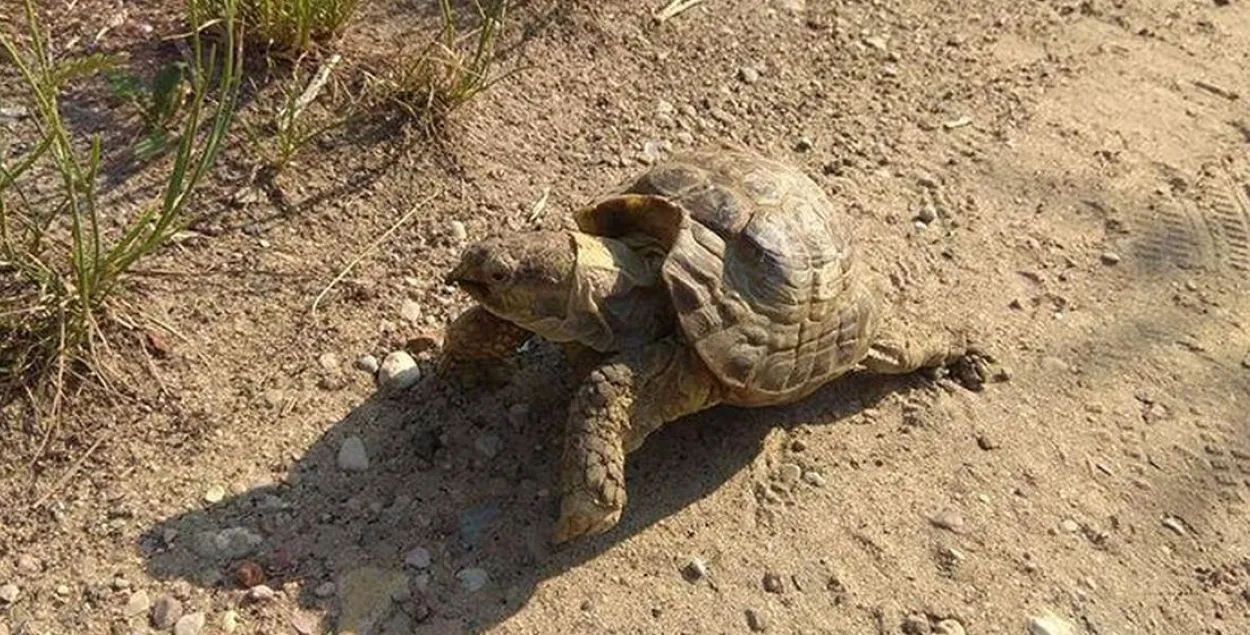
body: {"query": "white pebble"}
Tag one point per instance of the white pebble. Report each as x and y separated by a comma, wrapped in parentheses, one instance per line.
(190, 624)
(1050, 625)
(473, 579)
(398, 372)
(9, 593)
(789, 472)
(814, 479)
(367, 363)
(325, 590)
(410, 311)
(138, 604)
(418, 557)
(457, 231)
(230, 621)
(214, 494)
(261, 593)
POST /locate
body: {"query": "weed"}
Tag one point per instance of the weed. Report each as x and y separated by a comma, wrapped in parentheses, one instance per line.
(290, 129)
(158, 104)
(284, 25)
(60, 266)
(443, 76)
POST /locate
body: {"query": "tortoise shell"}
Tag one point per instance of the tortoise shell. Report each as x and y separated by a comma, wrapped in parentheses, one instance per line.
(759, 267)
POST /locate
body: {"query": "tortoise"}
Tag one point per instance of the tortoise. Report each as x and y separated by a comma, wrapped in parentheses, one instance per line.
(718, 276)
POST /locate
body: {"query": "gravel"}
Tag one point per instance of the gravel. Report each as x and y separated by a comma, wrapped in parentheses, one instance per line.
(190, 624)
(473, 579)
(757, 621)
(418, 557)
(398, 372)
(9, 593)
(165, 612)
(138, 604)
(1050, 625)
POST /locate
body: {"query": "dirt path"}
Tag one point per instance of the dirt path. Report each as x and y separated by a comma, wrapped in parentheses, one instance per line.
(1083, 169)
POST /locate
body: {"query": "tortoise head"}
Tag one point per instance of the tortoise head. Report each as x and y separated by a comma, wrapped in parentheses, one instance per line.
(522, 278)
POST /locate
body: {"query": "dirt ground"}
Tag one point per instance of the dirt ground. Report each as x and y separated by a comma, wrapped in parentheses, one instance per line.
(1070, 179)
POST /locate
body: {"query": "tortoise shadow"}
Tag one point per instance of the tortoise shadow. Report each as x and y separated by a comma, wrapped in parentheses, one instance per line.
(468, 477)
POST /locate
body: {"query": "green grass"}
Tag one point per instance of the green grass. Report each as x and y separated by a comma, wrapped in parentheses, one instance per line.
(63, 256)
(284, 25)
(453, 69)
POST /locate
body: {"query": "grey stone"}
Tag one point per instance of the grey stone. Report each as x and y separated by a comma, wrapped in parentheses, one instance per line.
(473, 579)
(166, 611)
(138, 604)
(190, 624)
(398, 372)
(352, 456)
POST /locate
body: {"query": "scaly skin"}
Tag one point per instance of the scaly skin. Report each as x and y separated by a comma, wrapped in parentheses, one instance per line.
(476, 345)
(618, 405)
(893, 353)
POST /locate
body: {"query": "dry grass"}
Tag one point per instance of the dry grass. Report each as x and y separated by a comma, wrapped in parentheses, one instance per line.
(282, 25)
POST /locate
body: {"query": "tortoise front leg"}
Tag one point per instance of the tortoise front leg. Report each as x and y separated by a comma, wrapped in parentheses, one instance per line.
(476, 346)
(896, 353)
(616, 407)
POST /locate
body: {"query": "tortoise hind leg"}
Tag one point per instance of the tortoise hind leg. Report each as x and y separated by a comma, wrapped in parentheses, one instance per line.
(899, 352)
(617, 406)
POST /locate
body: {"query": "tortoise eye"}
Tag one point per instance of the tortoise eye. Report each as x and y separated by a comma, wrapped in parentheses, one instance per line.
(499, 276)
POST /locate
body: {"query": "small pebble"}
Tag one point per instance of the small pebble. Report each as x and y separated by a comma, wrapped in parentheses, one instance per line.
(773, 583)
(418, 557)
(230, 621)
(190, 624)
(1050, 625)
(1174, 524)
(488, 445)
(813, 478)
(165, 612)
(1109, 258)
(410, 311)
(803, 144)
(261, 593)
(789, 472)
(798, 445)
(757, 621)
(9, 593)
(748, 75)
(367, 363)
(304, 624)
(214, 494)
(696, 569)
(138, 604)
(473, 579)
(352, 456)
(325, 590)
(457, 231)
(949, 520)
(927, 213)
(949, 627)
(31, 565)
(1069, 526)
(915, 625)
(398, 372)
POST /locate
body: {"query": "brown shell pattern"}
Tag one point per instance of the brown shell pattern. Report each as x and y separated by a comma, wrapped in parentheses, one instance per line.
(762, 276)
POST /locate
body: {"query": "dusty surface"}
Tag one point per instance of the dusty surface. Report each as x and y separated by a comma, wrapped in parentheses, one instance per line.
(1085, 171)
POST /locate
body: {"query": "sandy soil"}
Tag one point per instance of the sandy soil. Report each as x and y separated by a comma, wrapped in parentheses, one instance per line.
(1083, 169)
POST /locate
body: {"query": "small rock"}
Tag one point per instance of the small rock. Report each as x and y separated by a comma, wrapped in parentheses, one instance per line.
(694, 570)
(352, 456)
(488, 445)
(304, 624)
(814, 478)
(789, 472)
(230, 621)
(1245, 363)
(1174, 524)
(410, 310)
(401, 593)
(261, 593)
(949, 627)
(876, 42)
(325, 590)
(927, 213)
(1050, 625)
(31, 565)
(9, 593)
(748, 75)
(773, 583)
(165, 612)
(329, 362)
(915, 625)
(457, 231)
(949, 520)
(138, 604)
(214, 494)
(757, 621)
(803, 144)
(798, 445)
(398, 372)
(473, 579)
(986, 442)
(367, 363)
(190, 624)
(1109, 258)
(1069, 526)
(418, 557)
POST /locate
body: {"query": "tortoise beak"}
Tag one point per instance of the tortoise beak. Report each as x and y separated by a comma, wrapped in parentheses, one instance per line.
(456, 276)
